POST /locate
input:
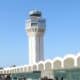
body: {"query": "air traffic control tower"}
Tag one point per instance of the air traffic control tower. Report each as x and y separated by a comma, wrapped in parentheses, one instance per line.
(35, 28)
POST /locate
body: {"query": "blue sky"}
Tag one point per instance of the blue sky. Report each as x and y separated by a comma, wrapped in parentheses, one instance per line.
(62, 34)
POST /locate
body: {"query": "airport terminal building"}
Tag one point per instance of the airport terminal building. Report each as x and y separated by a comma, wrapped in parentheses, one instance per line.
(66, 68)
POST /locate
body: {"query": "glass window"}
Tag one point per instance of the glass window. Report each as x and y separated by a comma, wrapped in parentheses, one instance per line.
(33, 24)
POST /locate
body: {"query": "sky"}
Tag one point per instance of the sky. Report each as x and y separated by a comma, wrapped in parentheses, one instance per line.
(62, 34)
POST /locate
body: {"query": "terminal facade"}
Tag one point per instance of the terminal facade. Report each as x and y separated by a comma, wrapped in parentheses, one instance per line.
(66, 68)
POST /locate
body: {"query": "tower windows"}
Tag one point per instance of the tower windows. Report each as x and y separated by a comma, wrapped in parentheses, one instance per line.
(33, 24)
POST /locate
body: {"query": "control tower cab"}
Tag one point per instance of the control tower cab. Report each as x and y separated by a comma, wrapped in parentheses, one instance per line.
(35, 13)
(35, 28)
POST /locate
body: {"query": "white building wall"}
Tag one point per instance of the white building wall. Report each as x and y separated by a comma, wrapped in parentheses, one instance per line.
(46, 67)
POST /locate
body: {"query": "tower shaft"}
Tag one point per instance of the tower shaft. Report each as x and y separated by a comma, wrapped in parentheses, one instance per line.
(36, 49)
